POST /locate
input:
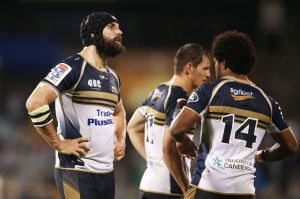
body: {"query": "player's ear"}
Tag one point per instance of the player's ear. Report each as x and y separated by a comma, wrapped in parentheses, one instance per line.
(223, 65)
(188, 68)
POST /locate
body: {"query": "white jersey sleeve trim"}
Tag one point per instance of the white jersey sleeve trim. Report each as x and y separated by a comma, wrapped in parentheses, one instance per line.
(266, 97)
(215, 90)
(199, 114)
(115, 74)
(168, 96)
(51, 86)
(142, 110)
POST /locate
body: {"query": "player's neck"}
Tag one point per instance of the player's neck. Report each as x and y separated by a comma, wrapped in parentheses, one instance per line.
(185, 84)
(235, 75)
(96, 60)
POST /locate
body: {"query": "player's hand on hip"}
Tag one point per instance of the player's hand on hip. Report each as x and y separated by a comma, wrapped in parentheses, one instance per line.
(119, 150)
(78, 147)
(187, 148)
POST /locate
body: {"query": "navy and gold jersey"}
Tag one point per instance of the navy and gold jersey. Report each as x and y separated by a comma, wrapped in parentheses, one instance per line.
(85, 104)
(159, 109)
(236, 115)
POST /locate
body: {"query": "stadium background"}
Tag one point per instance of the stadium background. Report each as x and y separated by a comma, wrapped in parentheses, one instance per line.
(36, 34)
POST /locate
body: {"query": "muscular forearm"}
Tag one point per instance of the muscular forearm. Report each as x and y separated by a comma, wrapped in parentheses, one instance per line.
(182, 123)
(119, 119)
(275, 153)
(120, 128)
(137, 140)
(49, 134)
(121, 134)
(286, 145)
(136, 132)
(175, 165)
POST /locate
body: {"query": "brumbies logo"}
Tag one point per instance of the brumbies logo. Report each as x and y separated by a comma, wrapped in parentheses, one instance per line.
(193, 98)
(57, 73)
(59, 70)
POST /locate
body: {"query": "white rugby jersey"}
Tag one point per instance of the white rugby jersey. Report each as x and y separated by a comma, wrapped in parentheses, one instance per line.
(159, 109)
(85, 104)
(236, 116)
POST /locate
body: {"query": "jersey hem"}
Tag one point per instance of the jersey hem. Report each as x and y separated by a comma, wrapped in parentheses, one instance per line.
(163, 193)
(227, 194)
(85, 170)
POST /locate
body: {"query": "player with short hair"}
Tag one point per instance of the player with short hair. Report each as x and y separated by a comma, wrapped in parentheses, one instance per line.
(236, 114)
(148, 128)
(91, 118)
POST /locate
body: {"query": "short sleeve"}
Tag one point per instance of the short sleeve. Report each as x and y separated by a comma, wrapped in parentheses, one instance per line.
(199, 99)
(278, 122)
(173, 109)
(142, 110)
(62, 77)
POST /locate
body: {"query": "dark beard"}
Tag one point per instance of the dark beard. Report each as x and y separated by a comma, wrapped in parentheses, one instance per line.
(111, 48)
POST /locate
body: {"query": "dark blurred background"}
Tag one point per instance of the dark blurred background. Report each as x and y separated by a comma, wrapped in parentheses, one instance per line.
(36, 34)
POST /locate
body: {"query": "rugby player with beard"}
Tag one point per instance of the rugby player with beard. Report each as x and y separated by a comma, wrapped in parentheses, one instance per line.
(89, 110)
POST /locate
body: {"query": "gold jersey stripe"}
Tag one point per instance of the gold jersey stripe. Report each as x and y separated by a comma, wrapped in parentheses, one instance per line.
(241, 112)
(96, 94)
(191, 192)
(240, 117)
(263, 126)
(88, 98)
(239, 98)
(159, 123)
(95, 102)
(155, 113)
(161, 120)
(84, 170)
(70, 192)
(236, 119)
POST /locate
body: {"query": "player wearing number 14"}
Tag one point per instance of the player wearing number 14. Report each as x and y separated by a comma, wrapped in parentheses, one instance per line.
(236, 114)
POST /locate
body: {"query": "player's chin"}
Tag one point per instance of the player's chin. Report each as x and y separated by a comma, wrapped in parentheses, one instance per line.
(119, 46)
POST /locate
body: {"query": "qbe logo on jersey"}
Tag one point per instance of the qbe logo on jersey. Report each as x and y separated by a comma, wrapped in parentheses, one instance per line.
(58, 73)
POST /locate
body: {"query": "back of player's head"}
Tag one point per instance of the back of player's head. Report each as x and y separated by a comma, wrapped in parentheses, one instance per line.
(236, 50)
(189, 53)
(91, 28)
